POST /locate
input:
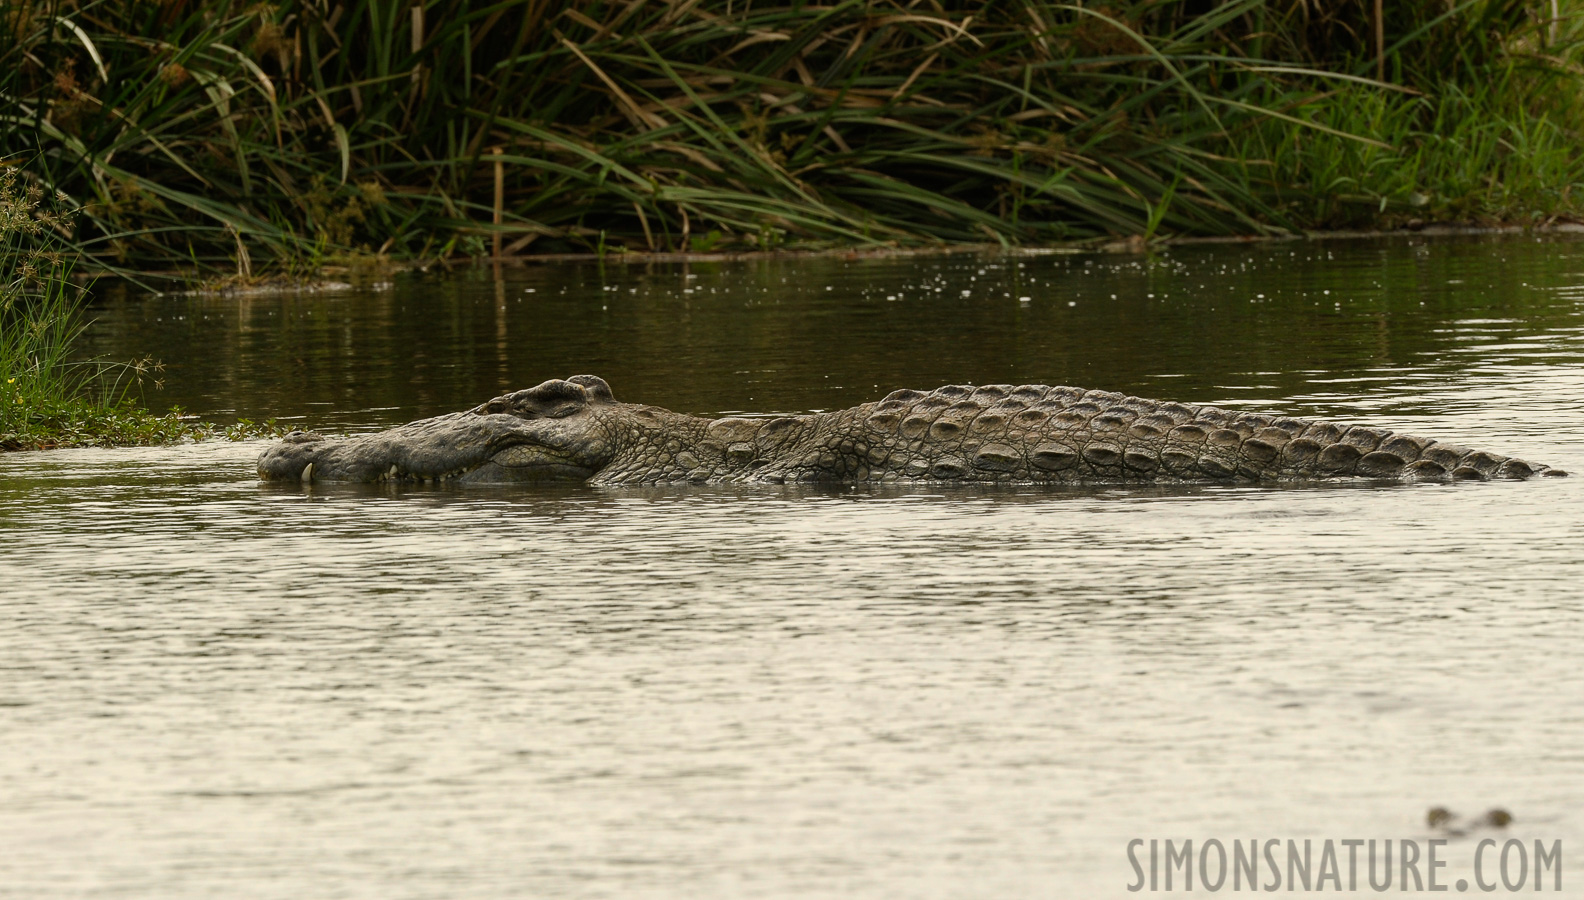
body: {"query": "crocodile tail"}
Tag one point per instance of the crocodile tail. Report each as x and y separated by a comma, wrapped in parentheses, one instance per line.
(1218, 445)
(1329, 450)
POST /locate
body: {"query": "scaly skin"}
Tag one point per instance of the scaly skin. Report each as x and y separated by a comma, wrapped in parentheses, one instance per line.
(574, 430)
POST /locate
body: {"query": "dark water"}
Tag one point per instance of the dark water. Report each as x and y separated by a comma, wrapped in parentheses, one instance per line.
(211, 687)
(1313, 327)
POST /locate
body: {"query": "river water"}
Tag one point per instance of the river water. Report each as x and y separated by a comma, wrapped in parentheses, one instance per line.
(213, 687)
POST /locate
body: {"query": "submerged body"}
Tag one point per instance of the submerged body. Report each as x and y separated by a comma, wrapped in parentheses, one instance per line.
(575, 430)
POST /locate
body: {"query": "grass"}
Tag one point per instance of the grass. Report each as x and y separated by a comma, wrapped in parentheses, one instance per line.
(1473, 154)
(46, 398)
(235, 135)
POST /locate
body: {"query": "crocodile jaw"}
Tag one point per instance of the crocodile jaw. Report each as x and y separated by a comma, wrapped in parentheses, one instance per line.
(458, 447)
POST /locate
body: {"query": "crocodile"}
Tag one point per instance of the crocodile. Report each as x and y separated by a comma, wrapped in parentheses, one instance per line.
(575, 430)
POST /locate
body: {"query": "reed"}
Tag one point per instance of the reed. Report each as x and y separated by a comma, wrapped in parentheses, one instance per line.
(1481, 153)
(219, 132)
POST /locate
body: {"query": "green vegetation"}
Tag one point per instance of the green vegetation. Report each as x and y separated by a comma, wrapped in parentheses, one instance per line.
(46, 399)
(242, 134)
(1501, 148)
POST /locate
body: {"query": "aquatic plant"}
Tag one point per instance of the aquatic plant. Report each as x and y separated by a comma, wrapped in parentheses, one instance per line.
(232, 133)
(49, 398)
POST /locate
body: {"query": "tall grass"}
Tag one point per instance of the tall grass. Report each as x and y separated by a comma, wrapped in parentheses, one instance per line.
(1474, 153)
(48, 397)
(39, 309)
(232, 131)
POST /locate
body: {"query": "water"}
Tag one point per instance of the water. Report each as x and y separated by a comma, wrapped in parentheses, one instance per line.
(215, 687)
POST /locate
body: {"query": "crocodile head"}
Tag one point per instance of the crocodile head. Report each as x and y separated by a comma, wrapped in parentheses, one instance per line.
(547, 433)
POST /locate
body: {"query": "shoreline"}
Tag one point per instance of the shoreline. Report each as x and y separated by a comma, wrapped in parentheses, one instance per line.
(1118, 245)
(335, 277)
(376, 273)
